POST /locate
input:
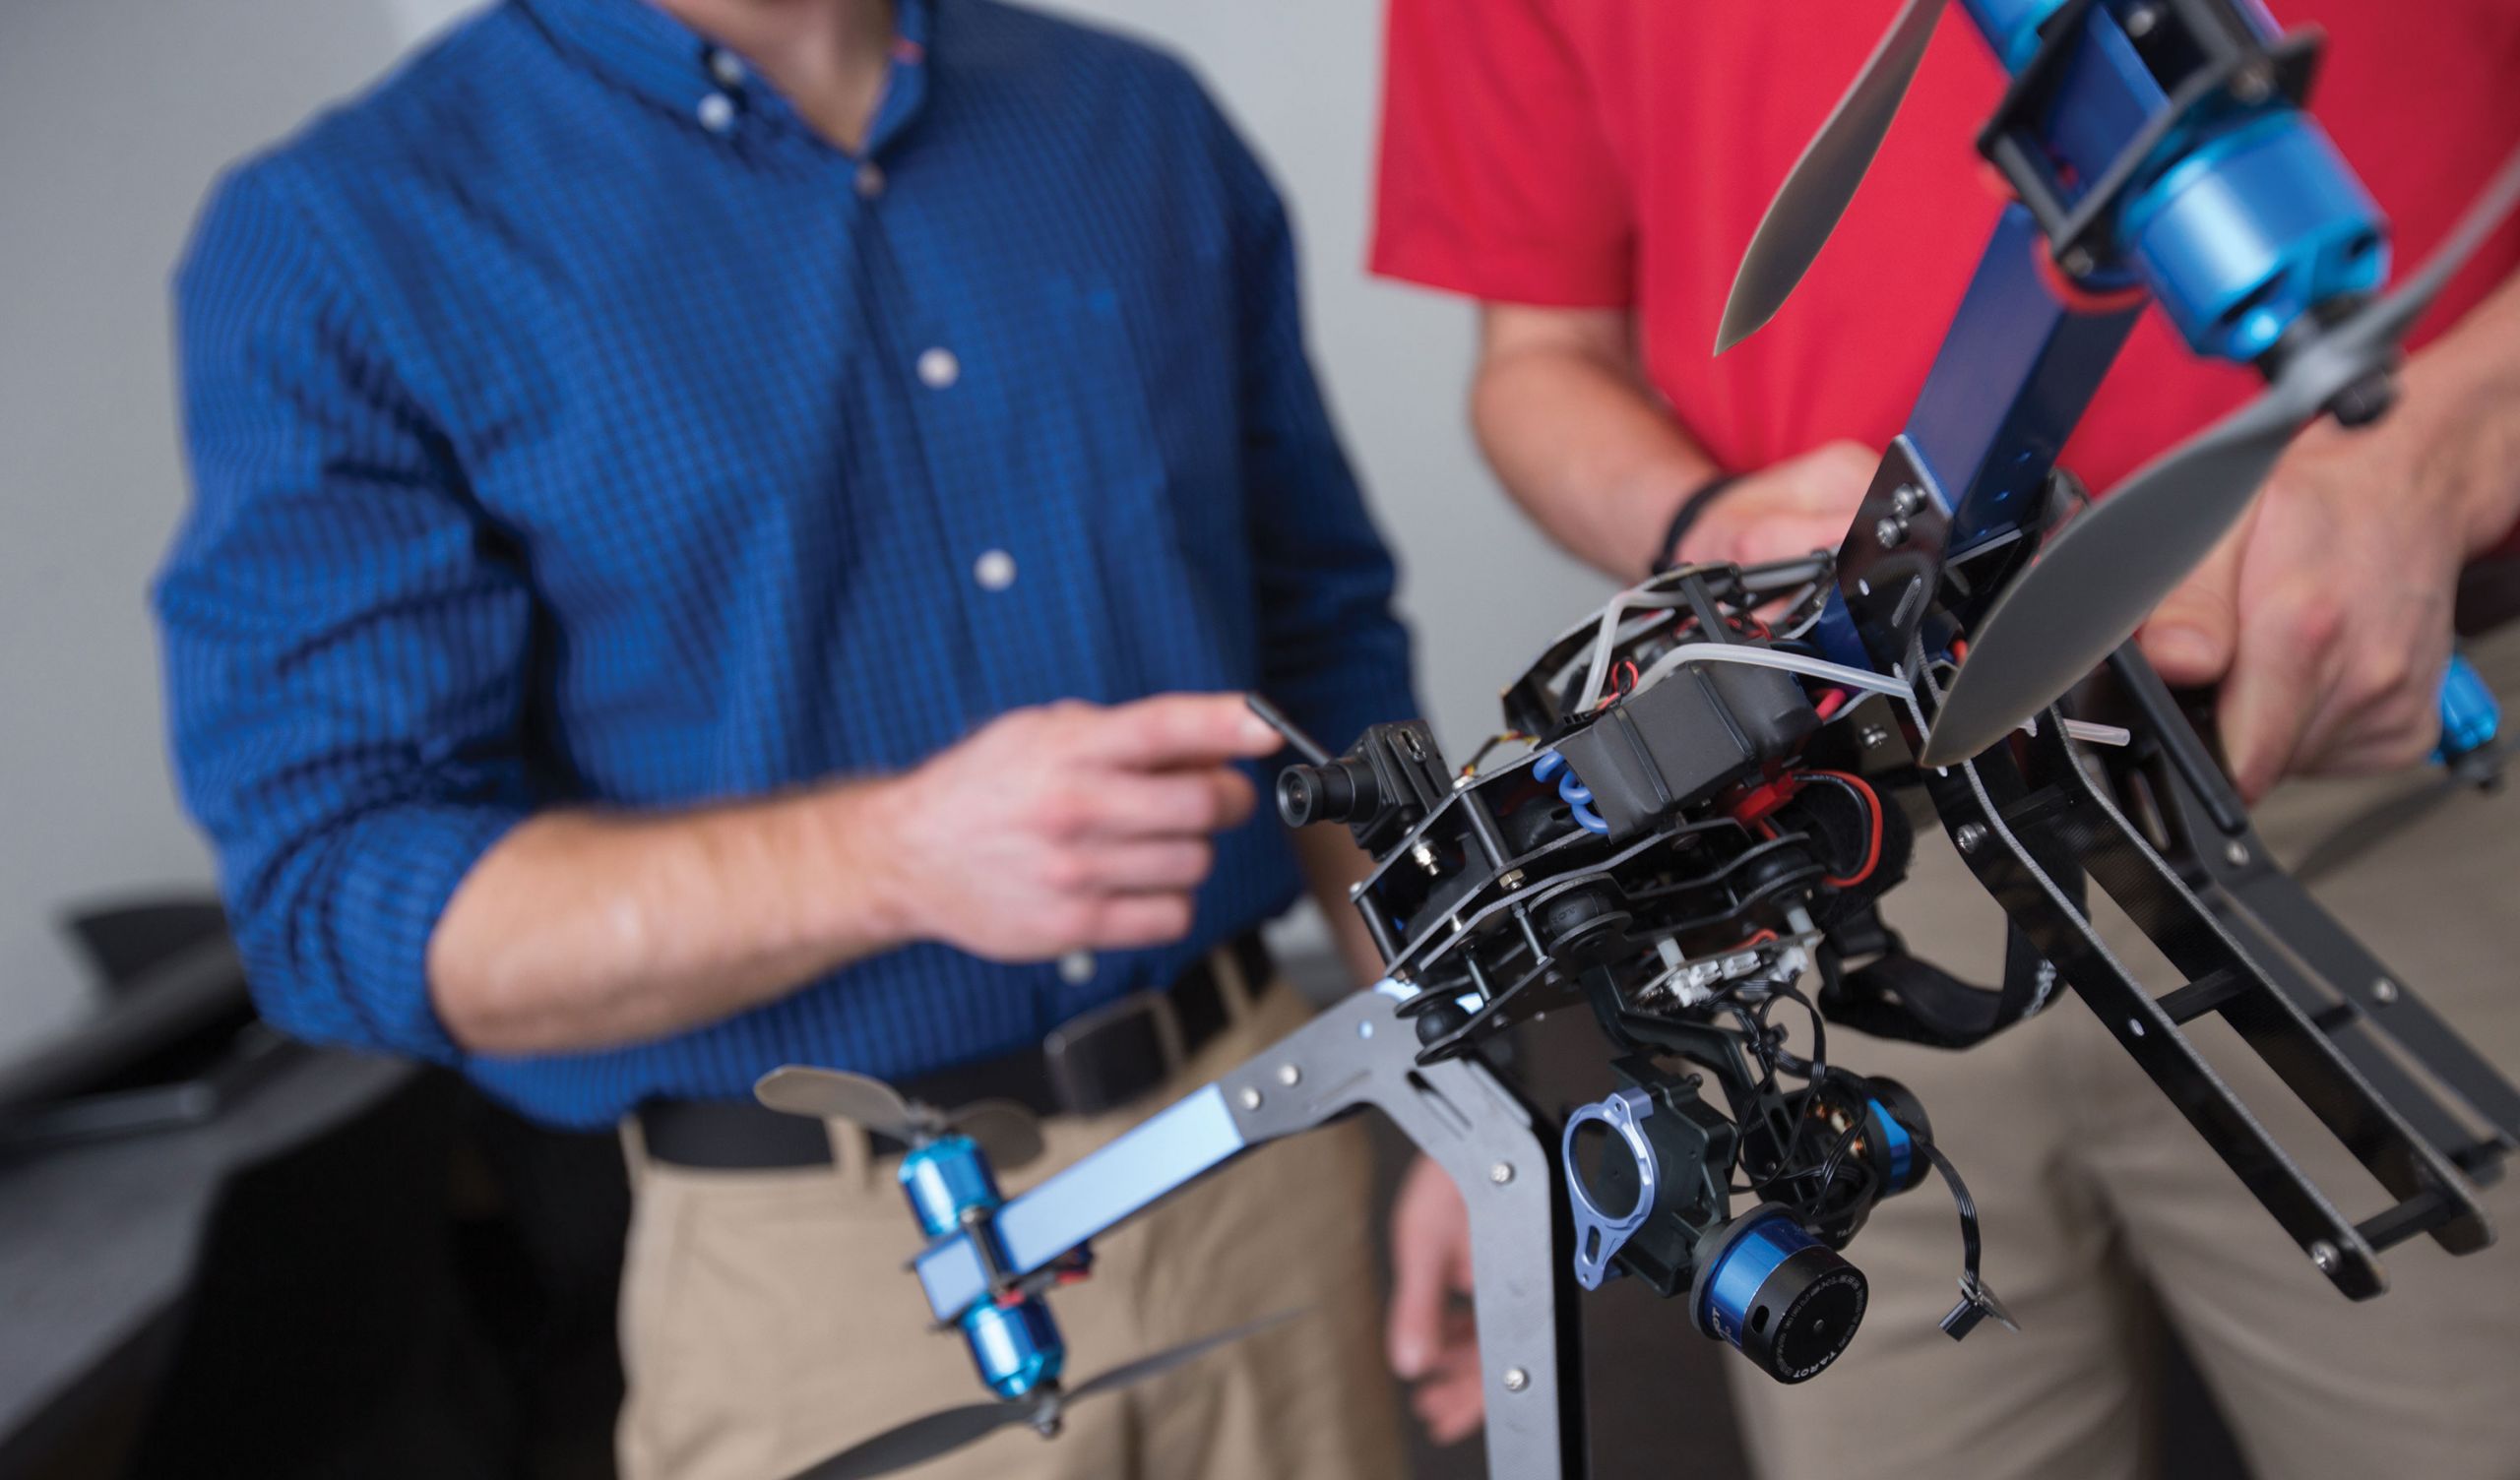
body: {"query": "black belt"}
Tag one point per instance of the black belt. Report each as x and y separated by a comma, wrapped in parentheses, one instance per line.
(1087, 1065)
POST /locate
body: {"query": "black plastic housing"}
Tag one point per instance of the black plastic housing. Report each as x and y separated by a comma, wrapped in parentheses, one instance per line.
(1697, 731)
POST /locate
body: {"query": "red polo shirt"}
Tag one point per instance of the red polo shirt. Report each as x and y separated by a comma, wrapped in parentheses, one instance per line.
(1617, 153)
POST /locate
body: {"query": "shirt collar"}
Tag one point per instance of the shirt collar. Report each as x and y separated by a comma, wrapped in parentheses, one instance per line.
(643, 48)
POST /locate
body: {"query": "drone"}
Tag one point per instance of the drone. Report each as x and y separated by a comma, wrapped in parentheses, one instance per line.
(1704, 790)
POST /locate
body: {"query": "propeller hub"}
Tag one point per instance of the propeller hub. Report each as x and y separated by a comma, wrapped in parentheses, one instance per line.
(2366, 399)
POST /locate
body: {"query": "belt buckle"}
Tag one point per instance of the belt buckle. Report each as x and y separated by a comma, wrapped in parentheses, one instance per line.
(1066, 1052)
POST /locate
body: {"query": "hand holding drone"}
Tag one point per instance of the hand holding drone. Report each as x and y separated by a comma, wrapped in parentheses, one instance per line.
(1716, 773)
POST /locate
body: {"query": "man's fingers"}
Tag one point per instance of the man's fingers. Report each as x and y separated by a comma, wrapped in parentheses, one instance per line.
(1130, 922)
(1165, 804)
(1788, 536)
(1420, 1293)
(2275, 680)
(2193, 637)
(1153, 865)
(1181, 729)
(1427, 1221)
(1451, 1403)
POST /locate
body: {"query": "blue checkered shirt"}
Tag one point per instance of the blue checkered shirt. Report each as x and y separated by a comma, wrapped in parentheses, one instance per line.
(570, 424)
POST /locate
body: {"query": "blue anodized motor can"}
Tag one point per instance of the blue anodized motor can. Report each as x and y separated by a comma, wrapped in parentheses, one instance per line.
(1015, 1343)
(1776, 1294)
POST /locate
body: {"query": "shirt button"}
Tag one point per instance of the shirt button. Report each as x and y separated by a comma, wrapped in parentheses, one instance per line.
(870, 180)
(1075, 968)
(937, 368)
(726, 67)
(717, 112)
(995, 570)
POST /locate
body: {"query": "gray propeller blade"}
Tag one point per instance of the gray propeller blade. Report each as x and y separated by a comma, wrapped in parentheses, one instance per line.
(924, 1438)
(1008, 1133)
(1133, 1373)
(2105, 572)
(837, 1094)
(1816, 191)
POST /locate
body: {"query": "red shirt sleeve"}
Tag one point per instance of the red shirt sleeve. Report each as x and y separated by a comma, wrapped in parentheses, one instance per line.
(1496, 179)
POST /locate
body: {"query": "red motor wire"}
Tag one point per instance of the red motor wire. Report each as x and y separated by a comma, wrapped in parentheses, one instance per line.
(1873, 805)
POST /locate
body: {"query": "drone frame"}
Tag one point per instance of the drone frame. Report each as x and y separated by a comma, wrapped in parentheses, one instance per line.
(1953, 516)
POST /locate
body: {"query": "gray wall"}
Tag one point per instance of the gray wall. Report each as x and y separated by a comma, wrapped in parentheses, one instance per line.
(115, 113)
(113, 116)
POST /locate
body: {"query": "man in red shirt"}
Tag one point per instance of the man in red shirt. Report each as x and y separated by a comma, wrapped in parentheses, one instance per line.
(1589, 170)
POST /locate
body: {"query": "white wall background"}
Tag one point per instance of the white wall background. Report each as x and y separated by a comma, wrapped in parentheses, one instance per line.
(114, 115)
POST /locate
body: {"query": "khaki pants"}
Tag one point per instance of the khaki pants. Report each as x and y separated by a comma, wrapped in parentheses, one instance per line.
(768, 1319)
(2105, 1212)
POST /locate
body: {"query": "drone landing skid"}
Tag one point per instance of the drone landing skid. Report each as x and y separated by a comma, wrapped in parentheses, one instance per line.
(2013, 814)
(1357, 1054)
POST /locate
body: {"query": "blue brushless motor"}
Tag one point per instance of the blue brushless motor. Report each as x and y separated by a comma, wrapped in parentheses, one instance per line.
(1013, 1343)
(1776, 1294)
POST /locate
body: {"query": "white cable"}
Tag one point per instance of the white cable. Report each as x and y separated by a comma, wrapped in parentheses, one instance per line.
(1837, 673)
(2090, 733)
(1605, 642)
(1770, 657)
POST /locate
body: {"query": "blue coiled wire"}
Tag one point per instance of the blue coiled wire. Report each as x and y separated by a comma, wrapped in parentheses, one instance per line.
(1578, 796)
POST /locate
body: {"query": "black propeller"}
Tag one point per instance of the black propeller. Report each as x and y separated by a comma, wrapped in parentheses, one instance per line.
(1009, 1134)
(2095, 583)
(924, 1438)
(1816, 191)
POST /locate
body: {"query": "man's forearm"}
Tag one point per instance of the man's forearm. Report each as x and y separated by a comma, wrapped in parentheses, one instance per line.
(581, 930)
(1577, 438)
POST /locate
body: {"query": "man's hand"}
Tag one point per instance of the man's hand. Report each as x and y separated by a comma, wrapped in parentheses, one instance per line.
(1070, 827)
(2325, 614)
(1433, 1345)
(1785, 509)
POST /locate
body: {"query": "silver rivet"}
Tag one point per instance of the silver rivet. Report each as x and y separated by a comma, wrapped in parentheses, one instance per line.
(1907, 499)
(994, 571)
(1970, 835)
(2384, 991)
(717, 112)
(1516, 1380)
(1365, 1030)
(2323, 1253)
(1890, 532)
(2077, 261)
(938, 369)
(1250, 1099)
(1424, 856)
(1874, 737)
(1075, 968)
(726, 67)
(1356, 890)
(2140, 21)
(2135, 1026)
(1290, 1074)
(1501, 1173)
(870, 180)
(2238, 852)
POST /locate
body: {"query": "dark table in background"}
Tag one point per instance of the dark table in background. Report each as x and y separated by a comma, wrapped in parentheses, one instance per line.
(99, 1245)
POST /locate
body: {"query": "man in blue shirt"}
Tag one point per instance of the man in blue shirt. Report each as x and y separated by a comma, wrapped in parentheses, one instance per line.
(730, 532)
